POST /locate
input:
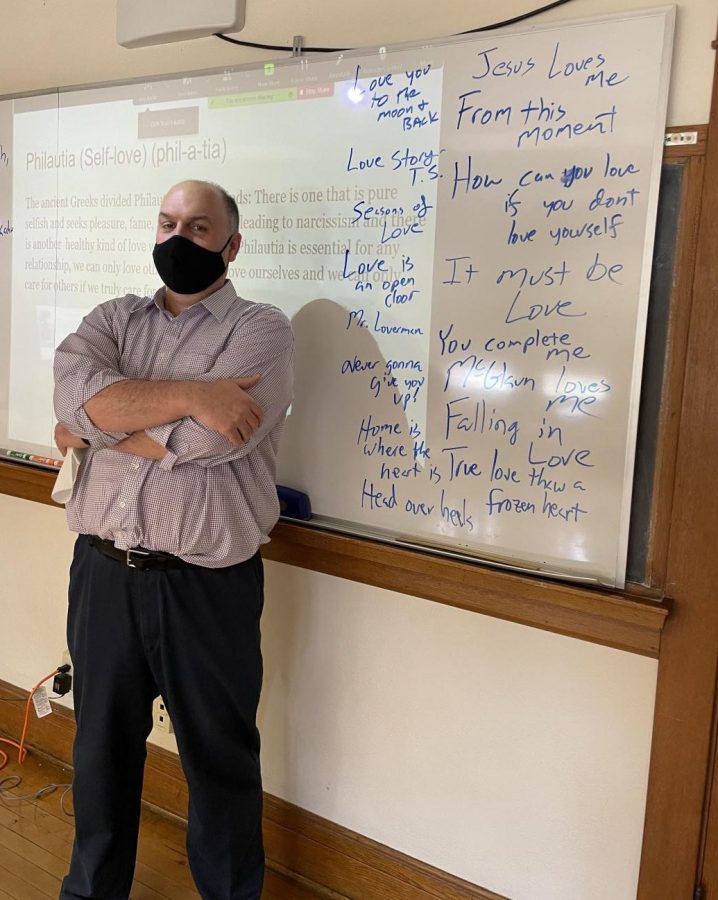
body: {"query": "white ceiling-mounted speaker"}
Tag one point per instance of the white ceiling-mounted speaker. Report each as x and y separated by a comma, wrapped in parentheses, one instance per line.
(141, 23)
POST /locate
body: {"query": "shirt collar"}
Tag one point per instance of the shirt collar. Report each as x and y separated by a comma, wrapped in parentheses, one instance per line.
(218, 303)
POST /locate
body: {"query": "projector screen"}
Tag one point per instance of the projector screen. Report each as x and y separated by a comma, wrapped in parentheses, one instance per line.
(461, 234)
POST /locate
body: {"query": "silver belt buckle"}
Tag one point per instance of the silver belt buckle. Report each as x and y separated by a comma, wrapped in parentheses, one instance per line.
(132, 553)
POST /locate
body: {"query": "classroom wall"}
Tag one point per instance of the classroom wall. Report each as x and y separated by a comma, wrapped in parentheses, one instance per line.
(508, 756)
(511, 757)
(46, 43)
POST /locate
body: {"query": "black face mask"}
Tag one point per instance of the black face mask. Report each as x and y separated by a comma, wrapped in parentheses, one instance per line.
(186, 267)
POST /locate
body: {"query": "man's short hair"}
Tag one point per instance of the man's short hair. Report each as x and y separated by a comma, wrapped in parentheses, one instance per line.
(230, 205)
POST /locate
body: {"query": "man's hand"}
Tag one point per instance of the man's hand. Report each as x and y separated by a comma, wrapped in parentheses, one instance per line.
(225, 407)
(65, 439)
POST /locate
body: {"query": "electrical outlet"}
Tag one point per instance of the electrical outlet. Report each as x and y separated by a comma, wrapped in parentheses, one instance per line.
(679, 138)
(161, 717)
(66, 659)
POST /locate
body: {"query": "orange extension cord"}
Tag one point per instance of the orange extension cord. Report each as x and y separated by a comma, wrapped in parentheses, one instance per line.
(22, 751)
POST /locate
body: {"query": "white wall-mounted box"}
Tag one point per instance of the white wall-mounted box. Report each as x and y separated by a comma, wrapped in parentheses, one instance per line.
(140, 24)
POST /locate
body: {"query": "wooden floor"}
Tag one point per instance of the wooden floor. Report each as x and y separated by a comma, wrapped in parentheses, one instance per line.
(36, 839)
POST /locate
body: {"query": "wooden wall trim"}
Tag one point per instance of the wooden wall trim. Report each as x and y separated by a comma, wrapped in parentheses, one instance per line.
(616, 620)
(326, 857)
(688, 662)
(27, 482)
(601, 617)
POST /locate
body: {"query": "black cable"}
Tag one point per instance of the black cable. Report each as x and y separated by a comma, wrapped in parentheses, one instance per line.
(274, 47)
(527, 15)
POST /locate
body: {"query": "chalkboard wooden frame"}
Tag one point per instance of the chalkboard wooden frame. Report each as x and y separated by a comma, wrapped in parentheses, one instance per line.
(666, 381)
(631, 620)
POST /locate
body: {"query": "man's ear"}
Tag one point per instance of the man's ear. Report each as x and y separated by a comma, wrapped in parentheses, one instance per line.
(234, 246)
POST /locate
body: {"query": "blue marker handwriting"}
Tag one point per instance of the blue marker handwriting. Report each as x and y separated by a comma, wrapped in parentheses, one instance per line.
(539, 477)
(608, 226)
(371, 429)
(575, 455)
(364, 212)
(554, 344)
(553, 510)
(574, 385)
(396, 472)
(459, 466)
(361, 272)
(575, 396)
(598, 270)
(423, 164)
(462, 271)
(356, 364)
(613, 170)
(517, 313)
(464, 415)
(549, 276)
(557, 205)
(359, 165)
(399, 291)
(380, 327)
(575, 173)
(415, 74)
(498, 503)
(502, 471)
(451, 345)
(357, 319)
(470, 179)
(603, 122)
(376, 499)
(520, 237)
(493, 376)
(458, 516)
(473, 114)
(602, 199)
(490, 64)
(395, 96)
(590, 66)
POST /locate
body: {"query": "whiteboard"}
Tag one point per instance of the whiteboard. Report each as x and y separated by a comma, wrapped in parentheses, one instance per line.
(461, 233)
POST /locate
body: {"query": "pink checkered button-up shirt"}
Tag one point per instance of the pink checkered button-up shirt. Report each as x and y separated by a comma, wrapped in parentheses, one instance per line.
(206, 501)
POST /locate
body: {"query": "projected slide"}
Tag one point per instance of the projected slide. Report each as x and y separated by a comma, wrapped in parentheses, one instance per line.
(332, 178)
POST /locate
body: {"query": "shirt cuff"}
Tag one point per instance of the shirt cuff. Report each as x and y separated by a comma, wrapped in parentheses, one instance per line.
(168, 461)
(161, 435)
(96, 435)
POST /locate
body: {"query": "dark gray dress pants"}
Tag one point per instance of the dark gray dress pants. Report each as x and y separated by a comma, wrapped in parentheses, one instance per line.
(191, 635)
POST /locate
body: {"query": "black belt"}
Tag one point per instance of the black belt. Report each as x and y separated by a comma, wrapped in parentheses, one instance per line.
(138, 557)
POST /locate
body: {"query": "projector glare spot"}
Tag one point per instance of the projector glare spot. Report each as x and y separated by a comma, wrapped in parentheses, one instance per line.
(355, 94)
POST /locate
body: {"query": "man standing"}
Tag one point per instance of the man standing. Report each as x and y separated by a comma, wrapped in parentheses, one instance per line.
(180, 399)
